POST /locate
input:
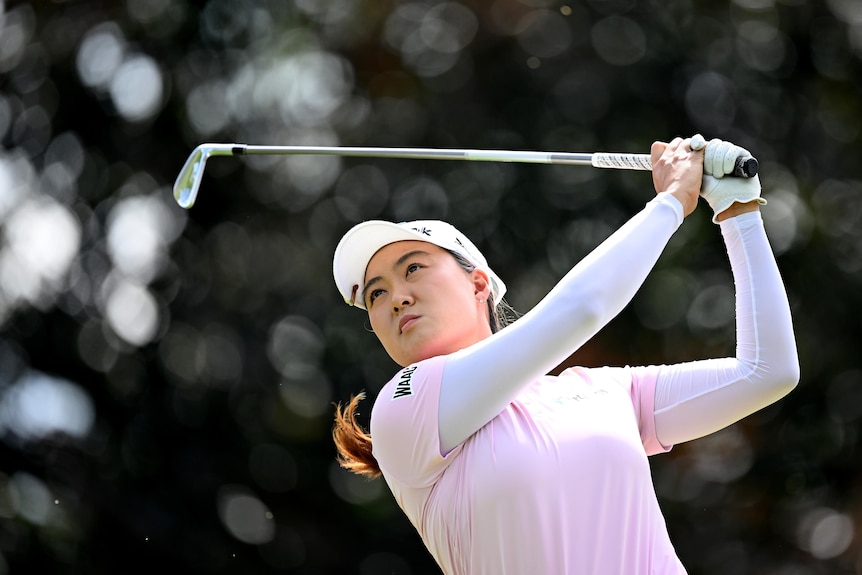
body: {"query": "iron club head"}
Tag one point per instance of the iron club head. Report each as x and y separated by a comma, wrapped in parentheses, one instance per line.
(189, 180)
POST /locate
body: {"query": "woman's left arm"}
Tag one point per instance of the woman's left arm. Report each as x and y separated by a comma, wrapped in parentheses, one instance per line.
(698, 398)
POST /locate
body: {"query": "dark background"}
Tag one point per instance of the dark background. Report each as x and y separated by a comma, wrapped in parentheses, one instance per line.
(167, 377)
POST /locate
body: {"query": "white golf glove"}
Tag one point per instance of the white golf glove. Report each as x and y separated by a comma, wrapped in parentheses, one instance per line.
(720, 192)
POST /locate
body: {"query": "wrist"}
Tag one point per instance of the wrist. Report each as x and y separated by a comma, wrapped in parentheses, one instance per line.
(672, 202)
(687, 200)
(737, 208)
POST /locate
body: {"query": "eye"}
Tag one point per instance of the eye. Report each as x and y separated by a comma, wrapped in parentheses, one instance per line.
(412, 268)
(373, 295)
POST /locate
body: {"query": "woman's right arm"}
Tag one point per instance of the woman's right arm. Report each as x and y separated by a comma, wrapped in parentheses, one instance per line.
(480, 381)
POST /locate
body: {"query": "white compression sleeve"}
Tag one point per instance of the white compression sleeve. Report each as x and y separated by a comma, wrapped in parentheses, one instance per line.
(480, 381)
(700, 397)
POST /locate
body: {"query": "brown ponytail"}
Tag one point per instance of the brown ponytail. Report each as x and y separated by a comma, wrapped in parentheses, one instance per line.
(352, 442)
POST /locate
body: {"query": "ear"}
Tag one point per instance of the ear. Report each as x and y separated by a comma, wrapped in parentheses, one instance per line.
(481, 284)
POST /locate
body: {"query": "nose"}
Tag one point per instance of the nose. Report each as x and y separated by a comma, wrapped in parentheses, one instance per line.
(405, 301)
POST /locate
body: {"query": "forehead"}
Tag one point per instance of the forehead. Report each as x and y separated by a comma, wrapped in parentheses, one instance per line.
(388, 255)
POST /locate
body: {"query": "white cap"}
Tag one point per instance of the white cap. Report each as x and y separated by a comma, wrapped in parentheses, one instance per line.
(362, 241)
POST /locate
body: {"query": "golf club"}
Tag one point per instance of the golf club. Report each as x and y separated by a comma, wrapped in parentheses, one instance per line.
(189, 180)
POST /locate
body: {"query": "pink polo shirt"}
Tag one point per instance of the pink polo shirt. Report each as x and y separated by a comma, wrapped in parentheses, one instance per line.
(557, 484)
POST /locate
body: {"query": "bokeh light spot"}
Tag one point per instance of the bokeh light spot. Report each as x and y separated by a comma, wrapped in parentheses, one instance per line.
(244, 515)
(712, 307)
(664, 298)
(825, 533)
(723, 456)
(710, 102)
(420, 197)
(619, 40)
(207, 108)
(309, 395)
(138, 231)
(353, 488)
(38, 405)
(100, 55)
(543, 34)
(137, 88)
(43, 238)
(30, 498)
(132, 312)
(295, 347)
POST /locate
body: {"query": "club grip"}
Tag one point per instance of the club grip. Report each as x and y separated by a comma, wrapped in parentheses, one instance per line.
(746, 167)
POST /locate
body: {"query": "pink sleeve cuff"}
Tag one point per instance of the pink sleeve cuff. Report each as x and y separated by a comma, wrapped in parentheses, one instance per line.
(643, 397)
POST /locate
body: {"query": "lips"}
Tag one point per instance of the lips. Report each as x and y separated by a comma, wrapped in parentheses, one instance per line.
(406, 321)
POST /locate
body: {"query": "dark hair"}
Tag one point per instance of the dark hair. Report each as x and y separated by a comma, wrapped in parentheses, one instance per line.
(499, 315)
(352, 441)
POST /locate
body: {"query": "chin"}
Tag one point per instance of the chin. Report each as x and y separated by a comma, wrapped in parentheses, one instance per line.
(410, 358)
(421, 351)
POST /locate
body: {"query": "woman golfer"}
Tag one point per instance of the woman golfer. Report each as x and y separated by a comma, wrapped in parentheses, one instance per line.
(505, 470)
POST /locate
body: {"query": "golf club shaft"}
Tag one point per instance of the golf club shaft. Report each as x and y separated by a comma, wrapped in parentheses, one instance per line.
(188, 181)
(423, 154)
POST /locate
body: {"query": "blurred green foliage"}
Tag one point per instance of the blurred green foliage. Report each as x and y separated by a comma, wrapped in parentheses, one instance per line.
(167, 376)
